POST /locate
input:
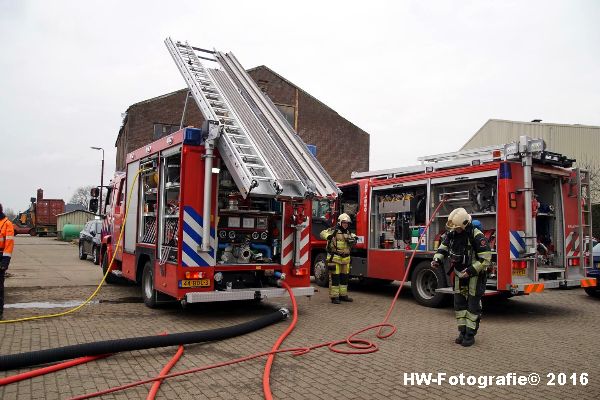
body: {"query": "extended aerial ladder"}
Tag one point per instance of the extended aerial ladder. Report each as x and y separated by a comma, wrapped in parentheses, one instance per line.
(262, 152)
(260, 148)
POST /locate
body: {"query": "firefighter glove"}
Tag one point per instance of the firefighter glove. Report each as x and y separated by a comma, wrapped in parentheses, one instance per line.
(435, 263)
(463, 274)
(4, 263)
(471, 271)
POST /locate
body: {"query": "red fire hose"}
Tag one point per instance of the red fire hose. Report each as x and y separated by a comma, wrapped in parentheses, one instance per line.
(47, 370)
(165, 371)
(354, 345)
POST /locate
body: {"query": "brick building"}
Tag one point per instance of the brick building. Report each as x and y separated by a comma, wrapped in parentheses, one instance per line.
(342, 147)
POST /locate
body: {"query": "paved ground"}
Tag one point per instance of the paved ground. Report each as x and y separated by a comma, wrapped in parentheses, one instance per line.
(551, 332)
(47, 262)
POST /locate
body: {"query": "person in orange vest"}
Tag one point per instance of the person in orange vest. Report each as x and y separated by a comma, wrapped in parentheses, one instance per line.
(7, 243)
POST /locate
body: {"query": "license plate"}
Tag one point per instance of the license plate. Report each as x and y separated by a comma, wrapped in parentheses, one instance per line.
(195, 283)
(520, 272)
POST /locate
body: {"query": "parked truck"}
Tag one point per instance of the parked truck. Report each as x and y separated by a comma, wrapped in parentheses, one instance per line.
(40, 217)
(534, 208)
(220, 212)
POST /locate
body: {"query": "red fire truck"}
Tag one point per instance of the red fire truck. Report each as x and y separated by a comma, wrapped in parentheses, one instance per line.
(217, 213)
(534, 209)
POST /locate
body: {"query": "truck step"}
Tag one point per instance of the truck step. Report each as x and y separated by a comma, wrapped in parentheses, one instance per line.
(549, 270)
(450, 290)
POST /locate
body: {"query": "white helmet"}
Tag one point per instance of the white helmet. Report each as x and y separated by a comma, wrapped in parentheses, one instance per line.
(458, 218)
(344, 218)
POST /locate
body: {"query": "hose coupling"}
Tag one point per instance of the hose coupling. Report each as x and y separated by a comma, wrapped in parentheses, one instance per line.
(285, 312)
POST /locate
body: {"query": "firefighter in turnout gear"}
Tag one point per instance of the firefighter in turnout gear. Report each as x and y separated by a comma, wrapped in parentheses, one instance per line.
(339, 242)
(7, 243)
(469, 255)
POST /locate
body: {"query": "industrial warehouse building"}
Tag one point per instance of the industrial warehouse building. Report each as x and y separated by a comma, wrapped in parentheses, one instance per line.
(341, 146)
(581, 142)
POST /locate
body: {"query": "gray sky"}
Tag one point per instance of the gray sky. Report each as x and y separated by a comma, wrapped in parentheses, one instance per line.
(420, 76)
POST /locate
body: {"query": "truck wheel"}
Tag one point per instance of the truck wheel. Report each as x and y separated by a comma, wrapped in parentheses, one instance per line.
(82, 255)
(424, 281)
(95, 256)
(320, 270)
(592, 291)
(110, 278)
(32, 232)
(148, 292)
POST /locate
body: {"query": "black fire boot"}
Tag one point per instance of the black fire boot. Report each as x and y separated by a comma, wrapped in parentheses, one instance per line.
(469, 339)
(335, 300)
(346, 298)
(461, 334)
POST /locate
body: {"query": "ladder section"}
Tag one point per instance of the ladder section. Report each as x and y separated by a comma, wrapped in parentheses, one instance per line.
(438, 161)
(247, 166)
(261, 158)
(584, 205)
(285, 140)
(287, 182)
(463, 155)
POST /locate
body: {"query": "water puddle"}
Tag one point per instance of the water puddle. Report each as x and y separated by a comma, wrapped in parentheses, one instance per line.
(73, 303)
(45, 304)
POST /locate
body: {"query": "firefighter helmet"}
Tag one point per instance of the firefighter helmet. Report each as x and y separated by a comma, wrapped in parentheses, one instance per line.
(458, 218)
(344, 218)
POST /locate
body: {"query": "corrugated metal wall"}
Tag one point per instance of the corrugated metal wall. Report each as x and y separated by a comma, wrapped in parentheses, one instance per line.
(78, 217)
(581, 142)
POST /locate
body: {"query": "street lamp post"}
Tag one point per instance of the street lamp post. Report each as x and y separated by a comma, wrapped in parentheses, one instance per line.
(101, 179)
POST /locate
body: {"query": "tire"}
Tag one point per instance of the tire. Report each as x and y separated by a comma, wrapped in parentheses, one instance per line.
(320, 270)
(148, 292)
(592, 291)
(425, 279)
(32, 232)
(95, 255)
(110, 278)
(82, 255)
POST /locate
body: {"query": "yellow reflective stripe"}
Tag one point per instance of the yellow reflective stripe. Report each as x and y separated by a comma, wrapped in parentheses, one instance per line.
(10, 238)
(6, 254)
(471, 316)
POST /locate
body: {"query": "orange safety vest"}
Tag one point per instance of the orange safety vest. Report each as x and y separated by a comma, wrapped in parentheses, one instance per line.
(7, 237)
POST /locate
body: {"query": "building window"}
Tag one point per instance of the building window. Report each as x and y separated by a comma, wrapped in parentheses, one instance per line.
(288, 112)
(161, 130)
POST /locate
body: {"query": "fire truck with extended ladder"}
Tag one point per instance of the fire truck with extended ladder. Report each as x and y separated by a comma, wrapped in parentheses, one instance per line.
(217, 213)
(534, 209)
